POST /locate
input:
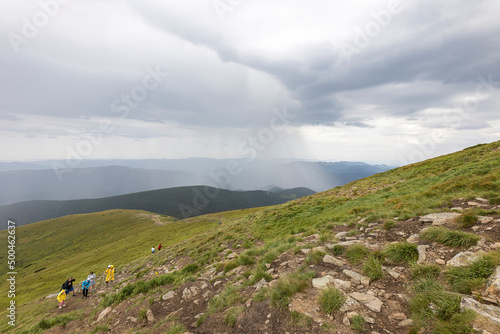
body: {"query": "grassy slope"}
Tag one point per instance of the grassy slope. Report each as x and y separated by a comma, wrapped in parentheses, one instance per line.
(404, 192)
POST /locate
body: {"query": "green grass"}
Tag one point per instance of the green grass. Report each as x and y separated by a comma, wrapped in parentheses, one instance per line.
(466, 279)
(467, 220)
(358, 324)
(100, 329)
(300, 320)
(176, 329)
(289, 285)
(314, 257)
(401, 252)
(57, 321)
(372, 268)
(450, 238)
(338, 250)
(357, 253)
(228, 297)
(389, 224)
(331, 300)
(232, 315)
(425, 271)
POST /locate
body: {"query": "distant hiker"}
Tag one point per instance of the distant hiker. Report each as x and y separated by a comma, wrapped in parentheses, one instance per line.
(61, 297)
(85, 288)
(110, 274)
(153, 250)
(91, 278)
(68, 286)
(159, 247)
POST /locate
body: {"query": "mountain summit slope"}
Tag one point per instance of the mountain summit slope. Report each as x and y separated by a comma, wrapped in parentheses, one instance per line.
(375, 255)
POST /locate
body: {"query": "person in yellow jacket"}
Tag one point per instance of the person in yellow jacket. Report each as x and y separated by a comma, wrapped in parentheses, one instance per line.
(61, 297)
(110, 274)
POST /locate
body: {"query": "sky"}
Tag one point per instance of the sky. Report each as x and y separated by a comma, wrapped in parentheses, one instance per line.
(390, 82)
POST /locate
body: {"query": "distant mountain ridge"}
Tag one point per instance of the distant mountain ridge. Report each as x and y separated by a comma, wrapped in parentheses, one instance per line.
(125, 177)
(179, 202)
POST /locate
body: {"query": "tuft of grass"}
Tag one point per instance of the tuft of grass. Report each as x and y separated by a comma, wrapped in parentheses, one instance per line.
(176, 329)
(289, 285)
(60, 320)
(100, 329)
(331, 299)
(401, 252)
(300, 320)
(357, 253)
(314, 257)
(190, 268)
(466, 279)
(425, 271)
(389, 224)
(228, 297)
(467, 220)
(451, 238)
(232, 315)
(338, 250)
(372, 268)
(141, 316)
(358, 324)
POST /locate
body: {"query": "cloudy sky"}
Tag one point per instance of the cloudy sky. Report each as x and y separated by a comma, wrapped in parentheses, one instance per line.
(376, 81)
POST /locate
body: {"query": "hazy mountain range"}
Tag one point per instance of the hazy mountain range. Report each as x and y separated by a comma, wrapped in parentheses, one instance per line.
(52, 180)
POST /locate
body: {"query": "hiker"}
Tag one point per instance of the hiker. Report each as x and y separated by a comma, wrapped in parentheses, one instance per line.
(153, 249)
(85, 288)
(91, 278)
(159, 247)
(68, 286)
(110, 274)
(61, 297)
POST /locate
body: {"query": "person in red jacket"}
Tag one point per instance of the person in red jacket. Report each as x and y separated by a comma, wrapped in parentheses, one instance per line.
(159, 247)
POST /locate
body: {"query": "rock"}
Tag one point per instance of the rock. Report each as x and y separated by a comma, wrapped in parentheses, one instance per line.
(312, 238)
(341, 235)
(370, 301)
(463, 259)
(405, 323)
(168, 295)
(485, 219)
(273, 283)
(353, 314)
(489, 311)
(232, 256)
(493, 288)
(149, 315)
(340, 284)
(392, 272)
(482, 200)
(413, 239)
(187, 294)
(457, 208)
(353, 274)
(349, 304)
(333, 260)
(319, 249)
(103, 313)
(440, 261)
(346, 321)
(132, 319)
(422, 256)
(369, 320)
(305, 250)
(260, 284)
(440, 218)
(322, 282)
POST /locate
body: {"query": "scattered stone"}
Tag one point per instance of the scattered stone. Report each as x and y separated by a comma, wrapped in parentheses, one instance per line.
(341, 235)
(305, 250)
(422, 256)
(485, 219)
(349, 304)
(149, 315)
(489, 311)
(346, 321)
(405, 323)
(322, 282)
(319, 249)
(370, 301)
(440, 261)
(482, 200)
(369, 320)
(413, 239)
(392, 272)
(132, 319)
(340, 284)
(103, 314)
(168, 295)
(260, 284)
(232, 256)
(333, 260)
(351, 315)
(463, 259)
(493, 288)
(440, 218)
(187, 294)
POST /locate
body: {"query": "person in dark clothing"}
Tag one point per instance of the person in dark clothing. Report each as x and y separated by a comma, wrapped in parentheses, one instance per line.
(68, 286)
(159, 247)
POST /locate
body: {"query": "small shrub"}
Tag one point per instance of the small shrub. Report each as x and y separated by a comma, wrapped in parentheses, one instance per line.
(331, 300)
(467, 220)
(372, 268)
(338, 250)
(389, 224)
(228, 297)
(190, 268)
(230, 265)
(300, 320)
(358, 323)
(357, 253)
(401, 252)
(141, 316)
(447, 237)
(425, 271)
(287, 286)
(314, 257)
(232, 315)
(245, 260)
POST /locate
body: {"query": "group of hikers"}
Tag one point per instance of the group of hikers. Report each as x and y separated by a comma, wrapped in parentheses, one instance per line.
(153, 248)
(88, 283)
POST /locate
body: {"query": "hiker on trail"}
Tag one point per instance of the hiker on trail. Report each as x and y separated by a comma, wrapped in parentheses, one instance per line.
(61, 297)
(159, 247)
(68, 286)
(110, 274)
(85, 288)
(153, 249)
(91, 278)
